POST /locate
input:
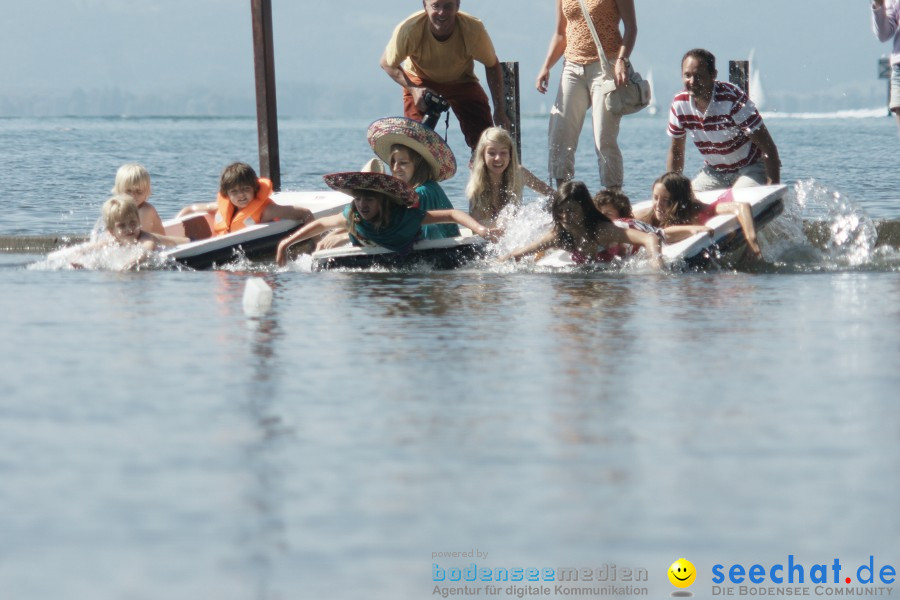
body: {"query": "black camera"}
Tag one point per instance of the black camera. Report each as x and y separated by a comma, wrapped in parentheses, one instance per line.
(435, 105)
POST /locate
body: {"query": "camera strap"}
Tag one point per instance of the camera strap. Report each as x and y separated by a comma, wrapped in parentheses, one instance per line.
(446, 124)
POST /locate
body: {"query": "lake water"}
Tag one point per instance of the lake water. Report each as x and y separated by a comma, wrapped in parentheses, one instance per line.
(156, 442)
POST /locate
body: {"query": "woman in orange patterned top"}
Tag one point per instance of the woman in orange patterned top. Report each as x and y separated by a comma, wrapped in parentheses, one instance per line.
(582, 77)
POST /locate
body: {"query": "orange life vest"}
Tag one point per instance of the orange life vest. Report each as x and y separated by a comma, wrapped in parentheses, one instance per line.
(227, 220)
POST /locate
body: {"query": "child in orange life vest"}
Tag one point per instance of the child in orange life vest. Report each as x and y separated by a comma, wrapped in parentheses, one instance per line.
(245, 199)
(134, 180)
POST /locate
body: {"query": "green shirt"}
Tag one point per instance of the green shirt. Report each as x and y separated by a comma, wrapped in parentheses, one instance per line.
(398, 235)
(432, 197)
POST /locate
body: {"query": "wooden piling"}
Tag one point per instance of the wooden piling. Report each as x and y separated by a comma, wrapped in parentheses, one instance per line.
(739, 74)
(266, 112)
(511, 92)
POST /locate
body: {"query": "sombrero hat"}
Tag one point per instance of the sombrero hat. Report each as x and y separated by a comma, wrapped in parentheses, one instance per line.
(373, 166)
(386, 132)
(347, 182)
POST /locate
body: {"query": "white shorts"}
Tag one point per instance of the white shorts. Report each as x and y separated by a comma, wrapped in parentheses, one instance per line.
(710, 179)
(895, 87)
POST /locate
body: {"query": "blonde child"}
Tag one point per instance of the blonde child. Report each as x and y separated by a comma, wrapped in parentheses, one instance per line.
(497, 178)
(380, 214)
(244, 199)
(678, 212)
(121, 215)
(134, 180)
(584, 231)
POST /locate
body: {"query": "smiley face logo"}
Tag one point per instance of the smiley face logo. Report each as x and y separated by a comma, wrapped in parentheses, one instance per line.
(682, 573)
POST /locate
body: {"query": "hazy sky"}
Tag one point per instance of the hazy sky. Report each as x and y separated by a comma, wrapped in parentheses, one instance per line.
(804, 47)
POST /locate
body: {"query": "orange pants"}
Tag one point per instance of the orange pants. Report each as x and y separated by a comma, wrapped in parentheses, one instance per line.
(467, 100)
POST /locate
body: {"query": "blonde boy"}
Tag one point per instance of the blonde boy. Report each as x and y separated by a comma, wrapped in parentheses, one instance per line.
(123, 222)
(134, 180)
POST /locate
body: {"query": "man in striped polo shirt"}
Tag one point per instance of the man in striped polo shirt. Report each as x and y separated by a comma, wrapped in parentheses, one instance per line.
(725, 126)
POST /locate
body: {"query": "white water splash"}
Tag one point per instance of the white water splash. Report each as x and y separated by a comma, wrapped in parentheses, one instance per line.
(92, 256)
(302, 264)
(861, 113)
(521, 226)
(852, 234)
(823, 229)
(526, 225)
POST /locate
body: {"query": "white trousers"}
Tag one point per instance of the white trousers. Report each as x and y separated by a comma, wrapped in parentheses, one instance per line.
(579, 89)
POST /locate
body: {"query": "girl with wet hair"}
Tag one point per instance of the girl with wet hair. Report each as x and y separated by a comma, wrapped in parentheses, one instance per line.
(581, 229)
(677, 211)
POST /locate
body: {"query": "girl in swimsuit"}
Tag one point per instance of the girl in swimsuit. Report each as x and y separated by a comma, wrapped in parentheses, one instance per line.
(584, 231)
(678, 212)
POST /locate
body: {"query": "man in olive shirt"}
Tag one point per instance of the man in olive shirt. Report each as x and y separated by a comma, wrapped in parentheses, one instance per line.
(434, 50)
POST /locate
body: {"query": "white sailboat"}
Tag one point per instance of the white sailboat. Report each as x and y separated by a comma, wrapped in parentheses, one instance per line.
(652, 108)
(757, 96)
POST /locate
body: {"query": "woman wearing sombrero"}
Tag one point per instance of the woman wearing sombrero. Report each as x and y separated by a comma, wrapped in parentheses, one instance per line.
(380, 214)
(421, 158)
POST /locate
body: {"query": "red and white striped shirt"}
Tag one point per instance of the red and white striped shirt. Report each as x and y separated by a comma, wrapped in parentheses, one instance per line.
(722, 133)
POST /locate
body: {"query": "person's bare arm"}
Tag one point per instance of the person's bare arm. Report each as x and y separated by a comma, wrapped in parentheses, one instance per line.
(460, 218)
(629, 37)
(535, 183)
(494, 76)
(745, 218)
(554, 52)
(281, 211)
(675, 159)
(542, 243)
(399, 76)
(676, 233)
(207, 207)
(336, 238)
(307, 231)
(763, 139)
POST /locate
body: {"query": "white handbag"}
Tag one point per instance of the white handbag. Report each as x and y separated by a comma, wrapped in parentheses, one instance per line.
(629, 98)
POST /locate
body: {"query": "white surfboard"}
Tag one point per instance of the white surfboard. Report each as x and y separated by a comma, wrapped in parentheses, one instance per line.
(256, 241)
(766, 202)
(444, 253)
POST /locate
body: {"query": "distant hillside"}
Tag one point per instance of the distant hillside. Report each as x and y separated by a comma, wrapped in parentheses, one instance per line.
(318, 100)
